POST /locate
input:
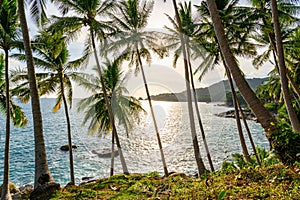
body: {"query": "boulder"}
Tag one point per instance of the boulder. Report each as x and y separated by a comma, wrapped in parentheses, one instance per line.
(12, 188)
(66, 147)
(44, 191)
(105, 153)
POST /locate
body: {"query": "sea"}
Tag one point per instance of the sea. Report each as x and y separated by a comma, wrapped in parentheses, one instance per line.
(140, 148)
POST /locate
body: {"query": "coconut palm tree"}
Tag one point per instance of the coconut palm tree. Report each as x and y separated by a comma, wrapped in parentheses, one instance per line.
(232, 18)
(190, 29)
(42, 173)
(59, 70)
(125, 108)
(133, 44)
(263, 11)
(282, 69)
(8, 33)
(86, 15)
(199, 161)
(267, 121)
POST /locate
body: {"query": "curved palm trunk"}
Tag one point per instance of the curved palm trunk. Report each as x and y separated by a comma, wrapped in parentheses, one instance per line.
(42, 172)
(199, 161)
(110, 113)
(237, 116)
(153, 115)
(198, 114)
(72, 176)
(5, 195)
(264, 117)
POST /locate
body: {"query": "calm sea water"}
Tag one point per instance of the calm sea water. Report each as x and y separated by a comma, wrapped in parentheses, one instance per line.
(140, 149)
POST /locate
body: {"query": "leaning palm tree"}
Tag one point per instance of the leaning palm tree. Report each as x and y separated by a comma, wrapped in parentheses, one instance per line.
(264, 117)
(43, 176)
(133, 44)
(232, 17)
(53, 57)
(86, 15)
(190, 29)
(125, 108)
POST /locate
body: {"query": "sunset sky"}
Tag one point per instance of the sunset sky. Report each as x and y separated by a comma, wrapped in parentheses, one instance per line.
(161, 75)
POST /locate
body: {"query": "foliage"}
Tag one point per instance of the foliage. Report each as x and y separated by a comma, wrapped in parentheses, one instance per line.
(273, 182)
(229, 101)
(17, 115)
(125, 108)
(286, 142)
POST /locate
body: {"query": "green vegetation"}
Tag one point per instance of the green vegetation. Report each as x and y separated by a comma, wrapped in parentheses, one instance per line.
(270, 182)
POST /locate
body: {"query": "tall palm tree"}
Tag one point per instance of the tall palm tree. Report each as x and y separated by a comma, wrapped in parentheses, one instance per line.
(282, 69)
(86, 15)
(53, 57)
(267, 121)
(262, 14)
(131, 18)
(8, 32)
(190, 29)
(42, 172)
(199, 161)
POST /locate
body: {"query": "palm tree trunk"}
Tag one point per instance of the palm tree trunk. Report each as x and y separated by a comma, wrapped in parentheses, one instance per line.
(282, 69)
(290, 79)
(237, 116)
(199, 161)
(198, 113)
(248, 131)
(72, 176)
(5, 195)
(112, 154)
(110, 113)
(153, 115)
(263, 115)
(42, 172)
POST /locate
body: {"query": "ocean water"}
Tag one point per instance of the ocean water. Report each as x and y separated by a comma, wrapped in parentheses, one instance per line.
(140, 149)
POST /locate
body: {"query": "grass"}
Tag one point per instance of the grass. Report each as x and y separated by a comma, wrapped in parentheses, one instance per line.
(271, 182)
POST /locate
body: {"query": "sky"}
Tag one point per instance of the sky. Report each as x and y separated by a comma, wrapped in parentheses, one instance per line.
(161, 75)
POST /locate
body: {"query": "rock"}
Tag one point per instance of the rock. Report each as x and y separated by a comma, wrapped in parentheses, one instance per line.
(12, 188)
(105, 153)
(87, 178)
(231, 114)
(66, 147)
(44, 191)
(24, 193)
(181, 174)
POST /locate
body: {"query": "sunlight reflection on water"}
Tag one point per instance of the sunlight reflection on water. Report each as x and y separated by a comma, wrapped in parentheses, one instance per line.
(140, 149)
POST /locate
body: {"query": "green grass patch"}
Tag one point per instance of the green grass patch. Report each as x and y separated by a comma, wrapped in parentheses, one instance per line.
(270, 182)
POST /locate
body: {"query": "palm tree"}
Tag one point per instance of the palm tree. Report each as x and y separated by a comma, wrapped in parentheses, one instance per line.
(131, 18)
(125, 108)
(42, 172)
(267, 121)
(239, 43)
(190, 29)
(282, 69)
(8, 32)
(54, 59)
(86, 14)
(199, 161)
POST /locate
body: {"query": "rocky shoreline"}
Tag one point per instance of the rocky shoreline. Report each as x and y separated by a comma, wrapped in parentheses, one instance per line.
(231, 114)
